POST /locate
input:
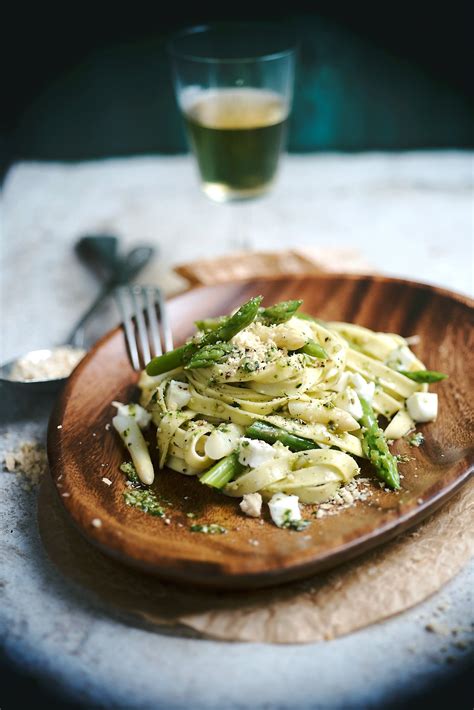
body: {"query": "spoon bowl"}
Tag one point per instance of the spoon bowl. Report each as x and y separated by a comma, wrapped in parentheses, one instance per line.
(100, 254)
(39, 358)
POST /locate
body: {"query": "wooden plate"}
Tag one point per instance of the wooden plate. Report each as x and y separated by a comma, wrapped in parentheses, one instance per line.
(82, 449)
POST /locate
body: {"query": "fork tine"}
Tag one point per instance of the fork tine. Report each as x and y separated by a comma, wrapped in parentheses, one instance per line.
(121, 297)
(138, 304)
(150, 294)
(165, 323)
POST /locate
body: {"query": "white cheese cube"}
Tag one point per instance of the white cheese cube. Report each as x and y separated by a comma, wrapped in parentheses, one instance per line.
(401, 358)
(255, 453)
(362, 387)
(284, 509)
(251, 505)
(177, 395)
(423, 406)
(342, 383)
(350, 402)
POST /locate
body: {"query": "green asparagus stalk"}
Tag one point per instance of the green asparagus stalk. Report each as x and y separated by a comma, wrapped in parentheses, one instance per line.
(210, 323)
(424, 375)
(314, 349)
(279, 313)
(271, 434)
(306, 316)
(222, 472)
(209, 355)
(171, 360)
(230, 327)
(376, 448)
(234, 324)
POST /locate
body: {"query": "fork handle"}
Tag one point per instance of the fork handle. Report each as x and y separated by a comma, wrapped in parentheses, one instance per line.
(125, 270)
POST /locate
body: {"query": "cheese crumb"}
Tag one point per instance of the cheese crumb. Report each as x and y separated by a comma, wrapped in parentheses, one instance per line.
(251, 505)
(96, 522)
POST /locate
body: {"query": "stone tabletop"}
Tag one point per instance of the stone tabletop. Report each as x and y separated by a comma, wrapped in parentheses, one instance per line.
(408, 214)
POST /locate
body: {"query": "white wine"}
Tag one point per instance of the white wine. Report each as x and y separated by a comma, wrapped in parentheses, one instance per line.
(237, 136)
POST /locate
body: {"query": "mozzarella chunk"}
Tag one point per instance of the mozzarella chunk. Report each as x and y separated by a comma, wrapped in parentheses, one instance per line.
(255, 453)
(358, 383)
(423, 406)
(350, 402)
(401, 358)
(284, 509)
(177, 395)
(251, 505)
(134, 411)
(362, 387)
(342, 382)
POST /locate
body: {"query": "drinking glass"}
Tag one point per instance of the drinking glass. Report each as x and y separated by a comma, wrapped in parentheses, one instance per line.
(234, 87)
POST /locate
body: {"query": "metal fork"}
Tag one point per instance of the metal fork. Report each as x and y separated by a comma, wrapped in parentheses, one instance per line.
(137, 308)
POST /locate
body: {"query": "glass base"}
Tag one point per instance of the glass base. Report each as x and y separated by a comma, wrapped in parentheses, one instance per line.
(220, 192)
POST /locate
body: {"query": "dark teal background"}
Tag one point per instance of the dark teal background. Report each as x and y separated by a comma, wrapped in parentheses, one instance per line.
(393, 79)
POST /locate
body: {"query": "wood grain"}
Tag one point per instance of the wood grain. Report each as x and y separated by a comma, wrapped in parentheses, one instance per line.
(83, 451)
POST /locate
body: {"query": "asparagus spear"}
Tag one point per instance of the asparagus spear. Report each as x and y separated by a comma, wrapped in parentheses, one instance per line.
(209, 355)
(424, 375)
(171, 360)
(232, 325)
(279, 313)
(270, 434)
(210, 323)
(314, 349)
(375, 447)
(306, 316)
(222, 472)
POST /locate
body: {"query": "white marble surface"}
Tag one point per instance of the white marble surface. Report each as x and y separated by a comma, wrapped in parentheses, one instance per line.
(410, 215)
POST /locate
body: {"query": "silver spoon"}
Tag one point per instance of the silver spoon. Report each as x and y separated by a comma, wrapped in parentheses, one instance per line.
(101, 254)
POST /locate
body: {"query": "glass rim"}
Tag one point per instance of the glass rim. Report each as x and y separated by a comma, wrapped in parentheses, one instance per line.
(196, 29)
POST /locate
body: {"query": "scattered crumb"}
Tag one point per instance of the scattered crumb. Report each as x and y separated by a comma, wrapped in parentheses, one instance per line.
(65, 495)
(419, 501)
(346, 497)
(255, 543)
(107, 481)
(96, 522)
(29, 462)
(60, 426)
(435, 628)
(167, 521)
(107, 426)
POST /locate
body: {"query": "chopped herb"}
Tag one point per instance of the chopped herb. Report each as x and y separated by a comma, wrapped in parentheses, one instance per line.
(417, 439)
(403, 458)
(145, 500)
(291, 524)
(128, 469)
(209, 529)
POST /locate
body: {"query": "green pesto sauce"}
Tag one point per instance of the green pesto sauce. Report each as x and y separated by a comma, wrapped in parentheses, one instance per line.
(144, 500)
(290, 524)
(417, 439)
(138, 495)
(208, 529)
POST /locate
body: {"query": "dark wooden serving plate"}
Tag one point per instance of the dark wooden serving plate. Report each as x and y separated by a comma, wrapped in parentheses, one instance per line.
(81, 450)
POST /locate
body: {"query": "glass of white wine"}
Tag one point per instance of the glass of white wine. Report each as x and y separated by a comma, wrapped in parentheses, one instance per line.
(234, 86)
